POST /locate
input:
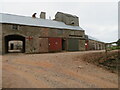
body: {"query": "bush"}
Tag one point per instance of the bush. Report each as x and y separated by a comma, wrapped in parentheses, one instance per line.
(114, 47)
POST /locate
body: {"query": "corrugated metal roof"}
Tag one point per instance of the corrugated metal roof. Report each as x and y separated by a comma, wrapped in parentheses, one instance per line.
(24, 20)
(93, 38)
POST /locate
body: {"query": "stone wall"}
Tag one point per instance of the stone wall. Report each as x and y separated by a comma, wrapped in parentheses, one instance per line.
(82, 45)
(67, 18)
(32, 46)
(96, 45)
(0, 38)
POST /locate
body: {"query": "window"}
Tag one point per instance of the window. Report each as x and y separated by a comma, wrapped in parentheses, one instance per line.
(72, 22)
(75, 34)
(15, 27)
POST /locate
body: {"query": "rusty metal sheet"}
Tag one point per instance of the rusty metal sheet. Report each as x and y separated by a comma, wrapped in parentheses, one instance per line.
(55, 44)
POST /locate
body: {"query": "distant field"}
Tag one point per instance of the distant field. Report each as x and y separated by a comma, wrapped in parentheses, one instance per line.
(114, 47)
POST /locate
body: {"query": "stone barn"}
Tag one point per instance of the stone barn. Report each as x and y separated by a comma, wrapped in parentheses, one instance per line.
(40, 35)
(93, 43)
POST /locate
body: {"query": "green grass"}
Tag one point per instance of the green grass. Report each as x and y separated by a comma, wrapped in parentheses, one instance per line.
(114, 48)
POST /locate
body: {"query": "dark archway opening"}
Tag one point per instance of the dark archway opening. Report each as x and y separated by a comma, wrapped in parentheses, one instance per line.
(63, 44)
(11, 41)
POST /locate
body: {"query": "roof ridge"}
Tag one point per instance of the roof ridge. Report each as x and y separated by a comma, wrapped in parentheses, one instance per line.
(31, 17)
(26, 20)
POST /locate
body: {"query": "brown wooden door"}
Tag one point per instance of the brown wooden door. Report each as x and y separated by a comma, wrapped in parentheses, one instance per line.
(43, 45)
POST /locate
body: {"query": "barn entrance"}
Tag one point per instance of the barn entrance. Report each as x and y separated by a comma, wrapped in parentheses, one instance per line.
(14, 44)
(63, 44)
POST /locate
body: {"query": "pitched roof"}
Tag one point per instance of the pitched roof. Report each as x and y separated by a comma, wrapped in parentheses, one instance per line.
(93, 38)
(24, 20)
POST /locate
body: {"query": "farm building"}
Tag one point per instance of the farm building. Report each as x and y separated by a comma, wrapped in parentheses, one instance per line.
(92, 43)
(40, 35)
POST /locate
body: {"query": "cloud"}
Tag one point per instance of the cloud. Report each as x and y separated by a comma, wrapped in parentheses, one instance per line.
(99, 20)
(103, 33)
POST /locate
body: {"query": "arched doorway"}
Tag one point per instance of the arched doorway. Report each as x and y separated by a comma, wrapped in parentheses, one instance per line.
(11, 42)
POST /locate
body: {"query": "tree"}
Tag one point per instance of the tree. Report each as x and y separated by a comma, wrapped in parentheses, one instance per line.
(118, 42)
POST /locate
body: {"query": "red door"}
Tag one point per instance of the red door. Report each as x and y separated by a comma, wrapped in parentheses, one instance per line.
(86, 45)
(55, 44)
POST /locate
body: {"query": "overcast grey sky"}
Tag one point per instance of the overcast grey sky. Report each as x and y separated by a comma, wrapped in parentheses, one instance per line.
(98, 19)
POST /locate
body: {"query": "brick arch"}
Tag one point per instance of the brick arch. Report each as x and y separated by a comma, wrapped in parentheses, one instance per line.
(11, 37)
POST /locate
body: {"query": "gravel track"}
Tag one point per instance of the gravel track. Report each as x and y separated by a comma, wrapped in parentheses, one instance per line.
(54, 70)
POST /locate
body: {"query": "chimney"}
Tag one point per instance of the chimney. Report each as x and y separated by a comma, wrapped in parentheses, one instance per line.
(34, 15)
(43, 15)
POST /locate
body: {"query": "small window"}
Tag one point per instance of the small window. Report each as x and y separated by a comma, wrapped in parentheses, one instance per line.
(15, 27)
(72, 22)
